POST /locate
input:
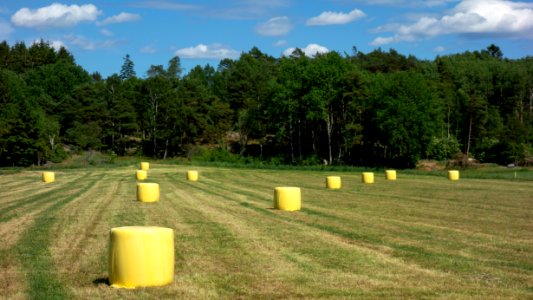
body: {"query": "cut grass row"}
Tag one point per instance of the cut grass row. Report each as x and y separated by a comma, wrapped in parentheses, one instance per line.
(418, 237)
(412, 232)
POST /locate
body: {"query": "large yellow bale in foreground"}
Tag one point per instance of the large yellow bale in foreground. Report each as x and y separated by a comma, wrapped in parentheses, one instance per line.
(453, 175)
(147, 192)
(192, 175)
(367, 177)
(49, 177)
(141, 256)
(333, 182)
(145, 166)
(141, 174)
(390, 174)
(287, 198)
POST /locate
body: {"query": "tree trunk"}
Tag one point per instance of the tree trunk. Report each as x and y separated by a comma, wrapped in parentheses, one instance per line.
(531, 102)
(300, 138)
(166, 149)
(154, 144)
(329, 124)
(339, 145)
(243, 140)
(51, 139)
(154, 126)
(113, 135)
(448, 123)
(314, 141)
(290, 139)
(468, 141)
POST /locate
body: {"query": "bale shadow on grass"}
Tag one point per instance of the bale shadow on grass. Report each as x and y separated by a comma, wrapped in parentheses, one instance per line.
(101, 281)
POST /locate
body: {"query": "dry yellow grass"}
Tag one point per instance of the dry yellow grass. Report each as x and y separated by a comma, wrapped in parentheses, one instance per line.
(417, 237)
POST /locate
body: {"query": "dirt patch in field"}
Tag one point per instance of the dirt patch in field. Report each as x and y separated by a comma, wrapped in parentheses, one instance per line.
(429, 165)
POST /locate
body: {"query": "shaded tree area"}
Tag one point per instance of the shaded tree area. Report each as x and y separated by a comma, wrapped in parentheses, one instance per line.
(375, 109)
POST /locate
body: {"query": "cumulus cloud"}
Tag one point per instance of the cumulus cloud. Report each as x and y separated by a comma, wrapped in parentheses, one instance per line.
(55, 15)
(471, 17)
(55, 44)
(335, 18)
(275, 27)
(392, 39)
(311, 50)
(120, 18)
(214, 51)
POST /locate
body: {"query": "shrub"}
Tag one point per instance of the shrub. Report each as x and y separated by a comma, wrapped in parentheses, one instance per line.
(215, 155)
(442, 148)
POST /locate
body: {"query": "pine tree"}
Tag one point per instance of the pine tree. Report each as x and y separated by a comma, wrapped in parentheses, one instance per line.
(127, 71)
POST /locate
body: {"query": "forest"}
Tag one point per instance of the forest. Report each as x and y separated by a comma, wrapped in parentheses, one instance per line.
(379, 109)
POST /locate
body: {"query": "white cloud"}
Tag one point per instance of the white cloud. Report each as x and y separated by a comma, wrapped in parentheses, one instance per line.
(106, 32)
(275, 27)
(384, 40)
(120, 18)
(311, 50)
(87, 44)
(148, 49)
(335, 18)
(439, 49)
(5, 30)
(214, 51)
(280, 43)
(55, 15)
(379, 41)
(56, 44)
(471, 17)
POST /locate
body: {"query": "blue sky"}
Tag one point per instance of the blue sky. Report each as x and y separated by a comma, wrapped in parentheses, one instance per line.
(100, 33)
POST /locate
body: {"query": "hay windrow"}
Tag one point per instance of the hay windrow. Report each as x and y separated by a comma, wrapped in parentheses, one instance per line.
(427, 237)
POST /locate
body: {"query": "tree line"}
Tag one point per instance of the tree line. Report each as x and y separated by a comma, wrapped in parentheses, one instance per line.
(375, 109)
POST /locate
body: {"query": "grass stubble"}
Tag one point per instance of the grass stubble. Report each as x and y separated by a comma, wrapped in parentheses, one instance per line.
(418, 237)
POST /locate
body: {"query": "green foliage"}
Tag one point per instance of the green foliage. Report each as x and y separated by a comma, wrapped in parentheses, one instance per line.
(442, 148)
(58, 155)
(312, 160)
(204, 154)
(375, 109)
(405, 114)
(127, 70)
(20, 115)
(85, 135)
(486, 149)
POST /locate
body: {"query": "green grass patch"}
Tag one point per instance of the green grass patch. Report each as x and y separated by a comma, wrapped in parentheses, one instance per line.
(34, 253)
(419, 237)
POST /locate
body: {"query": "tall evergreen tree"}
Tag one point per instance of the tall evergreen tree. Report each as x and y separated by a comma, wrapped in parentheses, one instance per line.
(127, 71)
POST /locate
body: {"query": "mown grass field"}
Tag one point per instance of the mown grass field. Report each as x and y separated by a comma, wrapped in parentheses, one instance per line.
(420, 237)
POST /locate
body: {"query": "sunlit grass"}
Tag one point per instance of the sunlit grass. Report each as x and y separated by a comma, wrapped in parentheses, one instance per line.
(421, 236)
